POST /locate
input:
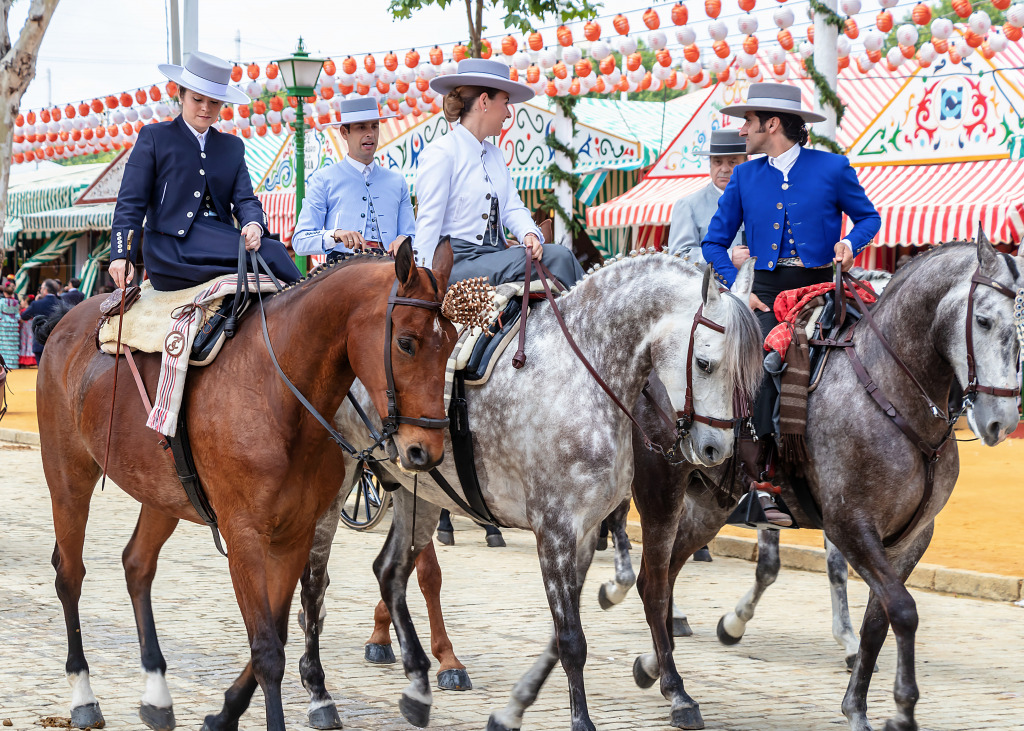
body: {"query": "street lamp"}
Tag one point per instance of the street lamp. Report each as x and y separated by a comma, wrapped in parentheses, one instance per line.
(299, 73)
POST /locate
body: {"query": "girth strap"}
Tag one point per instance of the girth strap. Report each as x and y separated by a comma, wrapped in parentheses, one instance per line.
(462, 451)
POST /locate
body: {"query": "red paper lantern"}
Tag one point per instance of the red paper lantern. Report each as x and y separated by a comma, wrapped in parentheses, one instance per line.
(679, 14)
(883, 21)
(746, 5)
(536, 41)
(564, 36)
(972, 39)
(401, 86)
(111, 102)
(329, 67)
(97, 106)
(962, 8)
(712, 8)
(922, 14)
(509, 45)
(850, 28)
(721, 49)
(621, 24)
(272, 70)
(243, 111)
(253, 71)
(276, 103)
(383, 86)
(44, 116)
(550, 89)
(69, 111)
(83, 109)
(154, 93)
(785, 39)
(326, 92)
(651, 19)
(1001, 4)
(349, 65)
(227, 113)
(140, 96)
(362, 89)
(171, 88)
(236, 73)
(592, 30)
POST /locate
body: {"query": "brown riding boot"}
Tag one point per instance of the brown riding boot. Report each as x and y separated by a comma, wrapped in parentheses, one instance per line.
(752, 456)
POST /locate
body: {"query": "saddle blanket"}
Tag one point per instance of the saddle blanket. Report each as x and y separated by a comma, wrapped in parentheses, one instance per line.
(167, 323)
(790, 304)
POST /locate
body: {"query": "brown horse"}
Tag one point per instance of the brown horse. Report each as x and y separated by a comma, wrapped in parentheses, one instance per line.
(268, 466)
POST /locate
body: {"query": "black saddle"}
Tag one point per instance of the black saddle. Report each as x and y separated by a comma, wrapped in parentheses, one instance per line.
(491, 342)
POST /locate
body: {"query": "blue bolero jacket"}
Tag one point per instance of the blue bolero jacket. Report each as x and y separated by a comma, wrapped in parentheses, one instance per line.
(803, 217)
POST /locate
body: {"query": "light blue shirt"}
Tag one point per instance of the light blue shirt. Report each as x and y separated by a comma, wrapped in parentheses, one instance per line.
(373, 201)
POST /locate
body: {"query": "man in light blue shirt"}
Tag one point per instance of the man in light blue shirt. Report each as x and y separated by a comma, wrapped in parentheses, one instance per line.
(355, 204)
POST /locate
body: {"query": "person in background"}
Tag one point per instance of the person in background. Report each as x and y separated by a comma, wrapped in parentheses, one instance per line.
(43, 305)
(72, 295)
(692, 214)
(355, 204)
(10, 326)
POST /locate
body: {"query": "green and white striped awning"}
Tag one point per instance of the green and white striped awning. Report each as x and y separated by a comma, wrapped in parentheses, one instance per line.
(54, 247)
(91, 269)
(97, 217)
(11, 230)
(55, 189)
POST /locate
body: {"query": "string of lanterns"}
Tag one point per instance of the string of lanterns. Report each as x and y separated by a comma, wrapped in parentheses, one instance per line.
(570, 65)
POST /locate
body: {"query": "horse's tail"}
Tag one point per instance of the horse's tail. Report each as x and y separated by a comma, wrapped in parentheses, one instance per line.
(42, 325)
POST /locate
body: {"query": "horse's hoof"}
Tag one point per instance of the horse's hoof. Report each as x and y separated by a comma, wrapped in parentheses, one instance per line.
(681, 628)
(324, 717)
(603, 599)
(495, 540)
(900, 725)
(702, 554)
(724, 637)
(643, 680)
(687, 717)
(602, 543)
(158, 719)
(446, 537)
(87, 716)
(210, 724)
(493, 725)
(416, 712)
(454, 679)
(379, 654)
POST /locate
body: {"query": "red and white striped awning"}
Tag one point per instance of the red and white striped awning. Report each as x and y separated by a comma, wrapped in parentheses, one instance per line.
(280, 210)
(650, 202)
(929, 204)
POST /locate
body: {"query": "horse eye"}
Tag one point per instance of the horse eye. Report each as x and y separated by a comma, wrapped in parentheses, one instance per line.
(406, 345)
(983, 322)
(704, 365)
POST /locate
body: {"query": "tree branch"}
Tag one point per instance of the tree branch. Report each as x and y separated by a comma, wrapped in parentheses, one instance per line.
(478, 32)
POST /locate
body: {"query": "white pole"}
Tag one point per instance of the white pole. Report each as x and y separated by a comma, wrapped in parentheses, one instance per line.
(190, 33)
(826, 61)
(175, 24)
(562, 129)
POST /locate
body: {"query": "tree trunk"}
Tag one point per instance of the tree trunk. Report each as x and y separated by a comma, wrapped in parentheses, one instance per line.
(475, 26)
(17, 69)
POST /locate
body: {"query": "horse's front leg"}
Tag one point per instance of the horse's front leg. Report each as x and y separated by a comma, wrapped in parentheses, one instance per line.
(322, 712)
(392, 569)
(733, 624)
(614, 591)
(842, 627)
(451, 674)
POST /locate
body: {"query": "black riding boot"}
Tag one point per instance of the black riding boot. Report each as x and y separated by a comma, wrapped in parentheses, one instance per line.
(752, 457)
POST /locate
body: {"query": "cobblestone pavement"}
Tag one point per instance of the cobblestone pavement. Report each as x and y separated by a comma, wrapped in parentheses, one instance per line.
(787, 673)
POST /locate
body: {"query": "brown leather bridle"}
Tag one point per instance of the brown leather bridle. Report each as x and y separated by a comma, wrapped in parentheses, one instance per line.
(973, 388)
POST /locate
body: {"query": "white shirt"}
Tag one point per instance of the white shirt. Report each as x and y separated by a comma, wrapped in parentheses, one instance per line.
(201, 136)
(456, 178)
(360, 167)
(785, 162)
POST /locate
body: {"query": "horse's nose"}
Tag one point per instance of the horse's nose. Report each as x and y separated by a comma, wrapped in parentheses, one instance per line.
(417, 457)
(994, 431)
(711, 453)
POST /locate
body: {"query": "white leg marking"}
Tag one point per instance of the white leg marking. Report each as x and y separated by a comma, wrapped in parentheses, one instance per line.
(733, 625)
(157, 693)
(81, 691)
(317, 705)
(677, 613)
(649, 662)
(615, 592)
(416, 694)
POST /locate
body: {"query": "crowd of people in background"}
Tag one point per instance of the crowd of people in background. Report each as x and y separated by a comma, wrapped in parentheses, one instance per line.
(17, 345)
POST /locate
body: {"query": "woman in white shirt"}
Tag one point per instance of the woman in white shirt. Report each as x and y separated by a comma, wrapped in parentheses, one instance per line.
(465, 190)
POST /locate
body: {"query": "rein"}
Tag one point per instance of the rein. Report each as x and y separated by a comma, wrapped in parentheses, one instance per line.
(930, 454)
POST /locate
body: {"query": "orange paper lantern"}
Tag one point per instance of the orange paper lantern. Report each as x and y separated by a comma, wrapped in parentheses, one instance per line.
(533, 73)
(276, 103)
(679, 14)
(1012, 32)
(390, 61)
(633, 61)
(907, 51)
(329, 67)
(850, 28)
(349, 65)
(111, 102)
(941, 45)
(844, 61)
(485, 49)
(83, 109)
(746, 5)
(559, 70)
(272, 70)
(412, 59)
(883, 21)
(509, 45)
(785, 39)
(621, 24)
(44, 116)
(401, 86)
(1001, 4)
(564, 36)
(607, 65)
(584, 69)
(691, 53)
(140, 96)
(750, 45)
(253, 71)
(236, 73)
(574, 87)
(712, 8)
(535, 40)
(810, 33)
(651, 19)
(922, 14)
(369, 63)
(69, 111)
(436, 56)
(227, 112)
(972, 39)
(592, 30)
(779, 68)
(874, 56)
(664, 58)
(721, 49)
(962, 8)
(550, 89)
(459, 52)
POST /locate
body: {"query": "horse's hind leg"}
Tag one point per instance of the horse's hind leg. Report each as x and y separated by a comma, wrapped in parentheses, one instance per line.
(614, 591)
(322, 712)
(842, 627)
(733, 624)
(71, 480)
(451, 674)
(139, 560)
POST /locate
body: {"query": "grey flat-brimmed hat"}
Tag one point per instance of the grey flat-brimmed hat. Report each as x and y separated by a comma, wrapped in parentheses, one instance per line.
(725, 142)
(207, 75)
(771, 97)
(482, 72)
(360, 109)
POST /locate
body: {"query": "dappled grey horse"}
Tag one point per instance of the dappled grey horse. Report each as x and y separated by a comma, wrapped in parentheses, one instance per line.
(554, 453)
(869, 479)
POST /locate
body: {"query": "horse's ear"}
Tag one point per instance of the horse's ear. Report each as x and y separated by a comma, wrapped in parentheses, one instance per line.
(405, 262)
(708, 288)
(442, 262)
(744, 279)
(986, 253)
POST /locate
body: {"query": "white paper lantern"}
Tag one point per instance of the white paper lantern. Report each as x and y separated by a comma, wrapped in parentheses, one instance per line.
(927, 53)
(346, 79)
(657, 40)
(658, 72)
(599, 50)
(865, 63)
(886, 4)
(842, 46)
(93, 121)
(448, 68)
(942, 28)
(746, 60)
(562, 85)
(253, 89)
(131, 114)
(655, 84)
(636, 74)
(731, 80)
(404, 108)
(570, 55)
(288, 115)
(850, 7)
(587, 82)
(685, 35)
(979, 22)
(54, 127)
(691, 68)
(117, 117)
(747, 24)
(776, 54)
(274, 117)
(961, 47)
(613, 78)
(388, 77)
(258, 120)
(67, 126)
(427, 72)
(633, 86)
(364, 77)
(1015, 15)
(276, 85)
(242, 122)
(873, 39)
(395, 94)
(907, 35)
(783, 16)
(145, 114)
(718, 30)
(540, 86)
(627, 45)
(895, 57)
(997, 42)
(521, 60)
(718, 65)
(546, 58)
(806, 50)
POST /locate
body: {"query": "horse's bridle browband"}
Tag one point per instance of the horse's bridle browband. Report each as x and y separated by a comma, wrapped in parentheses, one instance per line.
(973, 388)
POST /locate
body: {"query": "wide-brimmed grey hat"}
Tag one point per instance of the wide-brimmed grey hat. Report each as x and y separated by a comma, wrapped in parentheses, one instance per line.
(483, 72)
(207, 75)
(360, 109)
(725, 142)
(771, 97)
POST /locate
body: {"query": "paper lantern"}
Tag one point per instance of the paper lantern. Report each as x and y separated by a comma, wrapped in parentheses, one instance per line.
(253, 71)
(691, 67)
(1001, 4)
(954, 57)
(633, 61)
(850, 7)
(547, 58)
(83, 109)
(607, 65)
(1015, 15)
(236, 73)
(922, 14)
(509, 45)
(747, 24)
(718, 30)
(369, 63)
(521, 60)
(906, 35)
(842, 46)
(810, 33)
(564, 36)
(599, 50)
(962, 8)
(679, 14)
(895, 57)
(997, 42)
(926, 54)
(485, 48)
(806, 50)
(584, 68)
(721, 49)
(692, 53)
(1012, 32)
(44, 115)
(873, 40)
(459, 52)
(979, 22)
(117, 118)
(750, 44)
(746, 60)
(627, 45)
(592, 30)
(776, 54)
(783, 17)
(850, 28)
(941, 45)
(621, 24)
(140, 96)
(972, 39)
(883, 21)
(657, 40)
(571, 54)
(712, 8)
(986, 50)
(412, 58)
(559, 70)
(685, 35)
(349, 65)
(786, 39)
(69, 111)
(942, 28)
(663, 58)
(651, 19)
(112, 102)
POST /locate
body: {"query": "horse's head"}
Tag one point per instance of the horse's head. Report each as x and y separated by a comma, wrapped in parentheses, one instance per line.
(418, 350)
(993, 332)
(706, 361)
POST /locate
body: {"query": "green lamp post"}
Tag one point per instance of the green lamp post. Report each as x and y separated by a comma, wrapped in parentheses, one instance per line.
(299, 74)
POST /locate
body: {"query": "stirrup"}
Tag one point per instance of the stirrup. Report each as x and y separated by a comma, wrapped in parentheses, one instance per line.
(750, 514)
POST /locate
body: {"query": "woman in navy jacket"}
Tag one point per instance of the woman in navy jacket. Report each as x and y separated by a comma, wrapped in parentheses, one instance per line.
(189, 183)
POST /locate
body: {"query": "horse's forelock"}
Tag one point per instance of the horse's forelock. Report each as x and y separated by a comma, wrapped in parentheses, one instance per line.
(743, 354)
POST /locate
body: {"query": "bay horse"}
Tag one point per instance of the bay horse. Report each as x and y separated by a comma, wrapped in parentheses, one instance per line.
(268, 467)
(554, 452)
(867, 476)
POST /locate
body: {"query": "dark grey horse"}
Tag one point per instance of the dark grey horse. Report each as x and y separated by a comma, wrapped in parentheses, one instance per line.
(554, 454)
(866, 475)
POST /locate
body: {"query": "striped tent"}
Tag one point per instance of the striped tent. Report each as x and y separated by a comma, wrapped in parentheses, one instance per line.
(56, 245)
(91, 269)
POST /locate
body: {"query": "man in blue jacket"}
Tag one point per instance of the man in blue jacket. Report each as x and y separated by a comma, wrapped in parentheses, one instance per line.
(791, 203)
(355, 203)
(189, 182)
(44, 304)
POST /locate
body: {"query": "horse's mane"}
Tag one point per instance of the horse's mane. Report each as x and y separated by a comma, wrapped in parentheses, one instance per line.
(742, 357)
(919, 261)
(321, 272)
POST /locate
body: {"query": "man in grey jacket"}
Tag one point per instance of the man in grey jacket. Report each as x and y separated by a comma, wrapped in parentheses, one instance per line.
(692, 214)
